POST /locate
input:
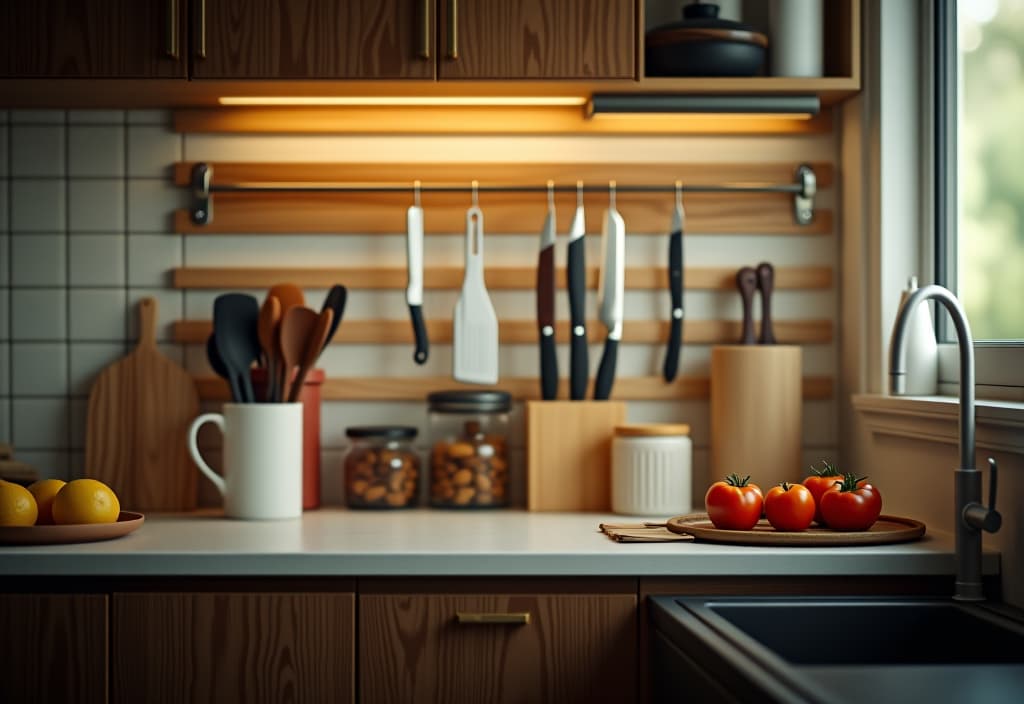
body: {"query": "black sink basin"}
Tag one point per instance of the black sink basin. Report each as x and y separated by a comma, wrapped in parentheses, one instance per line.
(835, 649)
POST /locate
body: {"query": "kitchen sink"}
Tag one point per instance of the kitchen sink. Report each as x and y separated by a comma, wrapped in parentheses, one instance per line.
(835, 649)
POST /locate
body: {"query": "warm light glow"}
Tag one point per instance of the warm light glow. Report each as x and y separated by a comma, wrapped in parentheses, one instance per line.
(388, 101)
(703, 117)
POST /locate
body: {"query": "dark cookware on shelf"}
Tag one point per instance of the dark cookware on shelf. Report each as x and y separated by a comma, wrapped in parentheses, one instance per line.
(702, 44)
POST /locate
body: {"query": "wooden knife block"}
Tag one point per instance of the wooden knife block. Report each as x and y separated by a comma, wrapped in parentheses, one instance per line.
(569, 454)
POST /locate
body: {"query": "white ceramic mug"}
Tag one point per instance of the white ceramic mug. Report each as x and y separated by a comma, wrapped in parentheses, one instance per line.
(262, 458)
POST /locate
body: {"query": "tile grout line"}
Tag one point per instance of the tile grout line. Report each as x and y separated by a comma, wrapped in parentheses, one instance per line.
(9, 401)
(68, 470)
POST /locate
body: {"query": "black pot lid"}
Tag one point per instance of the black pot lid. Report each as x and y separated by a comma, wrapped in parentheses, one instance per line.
(704, 15)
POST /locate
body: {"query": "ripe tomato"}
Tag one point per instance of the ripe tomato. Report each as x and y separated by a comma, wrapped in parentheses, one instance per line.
(820, 481)
(853, 504)
(789, 507)
(734, 504)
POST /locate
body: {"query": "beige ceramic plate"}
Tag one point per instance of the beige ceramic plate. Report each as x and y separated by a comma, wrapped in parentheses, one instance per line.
(887, 529)
(127, 521)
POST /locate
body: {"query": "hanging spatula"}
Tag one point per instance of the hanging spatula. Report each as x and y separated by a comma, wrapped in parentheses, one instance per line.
(414, 291)
(475, 358)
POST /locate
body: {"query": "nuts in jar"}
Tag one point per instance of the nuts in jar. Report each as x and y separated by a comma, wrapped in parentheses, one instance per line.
(381, 468)
(470, 471)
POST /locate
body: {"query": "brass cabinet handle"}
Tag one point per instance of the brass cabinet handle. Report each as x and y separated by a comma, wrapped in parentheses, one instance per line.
(453, 29)
(516, 618)
(201, 33)
(172, 37)
(425, 37)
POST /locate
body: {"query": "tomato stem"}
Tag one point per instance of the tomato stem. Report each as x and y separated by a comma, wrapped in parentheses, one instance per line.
(850, 482)
(827, 470)
(735, 480)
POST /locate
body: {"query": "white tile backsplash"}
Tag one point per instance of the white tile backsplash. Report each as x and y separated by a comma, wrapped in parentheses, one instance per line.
(96, 151)
(39, 423)
(37, 117)
(149, 117)
(38, 205)
(151, 259)
(38, 314)
(3, 151)
(169, 310)
(97, 314)
(5, 308)
(5, 369)
(38, 260)
(37, 151)
(88, 359)
(77, 420)
(97, 260)
(5, 211)
(152, 151)
(96, 205)
(51, 464)
(5, 420)
(40, 369)
(5, 259)
(96, 117)
(151, 204)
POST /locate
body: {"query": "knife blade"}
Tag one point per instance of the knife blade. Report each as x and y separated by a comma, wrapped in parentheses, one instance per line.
(414, 290)
(675, 287)
(546, 303)
(611, 291)
(579, 363)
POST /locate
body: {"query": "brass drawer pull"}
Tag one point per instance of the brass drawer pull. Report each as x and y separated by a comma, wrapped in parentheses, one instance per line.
(424, 52)
(201, 39)
(453, 29)
(172, 37)
(515, 618)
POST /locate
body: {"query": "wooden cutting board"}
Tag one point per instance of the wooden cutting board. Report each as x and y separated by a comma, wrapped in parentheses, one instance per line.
(139, 412)
(887, 529)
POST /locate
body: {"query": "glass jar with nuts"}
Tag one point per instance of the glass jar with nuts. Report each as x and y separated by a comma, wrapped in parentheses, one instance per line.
(469, 459)
(381, 469)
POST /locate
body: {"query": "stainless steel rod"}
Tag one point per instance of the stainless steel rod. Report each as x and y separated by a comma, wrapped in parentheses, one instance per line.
(270, 187)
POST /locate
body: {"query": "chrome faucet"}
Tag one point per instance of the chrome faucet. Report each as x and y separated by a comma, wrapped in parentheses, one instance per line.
(972, 516)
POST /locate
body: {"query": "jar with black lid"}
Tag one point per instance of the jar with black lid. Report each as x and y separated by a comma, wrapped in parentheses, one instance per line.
(469, 440)
(381, 468)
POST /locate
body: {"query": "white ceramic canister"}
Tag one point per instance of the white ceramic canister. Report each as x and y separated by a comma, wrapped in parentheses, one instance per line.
(795, 42)
(652, 469)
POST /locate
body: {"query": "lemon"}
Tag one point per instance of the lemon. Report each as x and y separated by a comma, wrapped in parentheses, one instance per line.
(85, 501)
(44, 492)
(17, 506)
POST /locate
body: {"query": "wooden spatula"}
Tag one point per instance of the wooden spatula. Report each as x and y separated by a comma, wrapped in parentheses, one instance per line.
(139, 411)
(297, 325)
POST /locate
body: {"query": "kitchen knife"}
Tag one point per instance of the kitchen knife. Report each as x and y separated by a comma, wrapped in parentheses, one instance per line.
(746, 282)
(546, 303)
(766, 282)
(579, 363)
(611, 291)
(675, 288)
(414, 291)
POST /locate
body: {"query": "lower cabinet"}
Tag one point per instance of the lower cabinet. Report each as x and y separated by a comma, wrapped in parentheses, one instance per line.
(494, 648)
(233, 647)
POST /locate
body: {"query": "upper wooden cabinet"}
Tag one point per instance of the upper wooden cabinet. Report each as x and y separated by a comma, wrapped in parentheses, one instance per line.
(93, 38)
(562, 39)
(312, 39)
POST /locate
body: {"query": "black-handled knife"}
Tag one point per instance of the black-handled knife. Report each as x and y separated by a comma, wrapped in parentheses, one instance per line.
(546, 306)
(606, 370)
(675, 288)
(579, 363)
(766, 282)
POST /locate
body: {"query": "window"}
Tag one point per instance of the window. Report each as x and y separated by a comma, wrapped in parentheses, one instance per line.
(979, 167)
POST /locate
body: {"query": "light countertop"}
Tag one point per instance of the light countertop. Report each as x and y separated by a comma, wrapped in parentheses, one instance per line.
(423, 542)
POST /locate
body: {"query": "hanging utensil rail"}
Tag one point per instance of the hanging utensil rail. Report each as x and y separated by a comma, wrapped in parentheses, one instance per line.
(803, 188)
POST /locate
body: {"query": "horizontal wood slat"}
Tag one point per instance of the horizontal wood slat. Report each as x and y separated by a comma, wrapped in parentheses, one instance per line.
(504, 213)
(450, 278)
(389, 332)
(648, 388)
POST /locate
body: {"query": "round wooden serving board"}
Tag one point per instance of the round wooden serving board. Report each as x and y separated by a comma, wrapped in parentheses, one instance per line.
(127, 522)
(887, 529)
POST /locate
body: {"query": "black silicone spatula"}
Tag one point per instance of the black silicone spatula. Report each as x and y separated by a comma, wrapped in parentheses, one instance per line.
(235, 328)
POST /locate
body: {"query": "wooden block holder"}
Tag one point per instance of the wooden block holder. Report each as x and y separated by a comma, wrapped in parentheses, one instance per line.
(756, 413)
(569, 454)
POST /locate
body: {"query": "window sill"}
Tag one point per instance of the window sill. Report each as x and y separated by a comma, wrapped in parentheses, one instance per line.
(1000, 424)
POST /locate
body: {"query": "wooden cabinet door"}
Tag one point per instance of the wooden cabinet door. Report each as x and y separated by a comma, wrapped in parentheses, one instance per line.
(93, 38)
(310, 39)
(576, 648)
(566, 39)
(228, 647)
(54, 648)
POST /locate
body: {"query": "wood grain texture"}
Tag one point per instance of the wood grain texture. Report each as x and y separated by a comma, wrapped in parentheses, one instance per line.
(391, 388)
(576, 475)
(94, 39)
(312, 39)
(55, 648)
(450, 277)
(576, 648)
(233, 647)
(138, 415)
(523, 332)
(540, 39)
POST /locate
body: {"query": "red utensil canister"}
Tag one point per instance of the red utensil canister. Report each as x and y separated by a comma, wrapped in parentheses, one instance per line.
(310, 400)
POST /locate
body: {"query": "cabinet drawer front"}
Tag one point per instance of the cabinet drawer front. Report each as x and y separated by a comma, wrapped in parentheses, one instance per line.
(575, 648)
(232, 647)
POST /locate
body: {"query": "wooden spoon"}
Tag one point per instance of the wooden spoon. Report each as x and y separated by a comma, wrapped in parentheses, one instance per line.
(288, 295)
(314, 345)
(267, 329)
(297, 325)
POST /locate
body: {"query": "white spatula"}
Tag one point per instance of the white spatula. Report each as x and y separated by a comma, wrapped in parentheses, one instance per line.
(476, 325)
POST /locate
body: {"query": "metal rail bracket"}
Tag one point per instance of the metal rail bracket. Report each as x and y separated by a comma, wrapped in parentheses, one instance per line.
(202, 200)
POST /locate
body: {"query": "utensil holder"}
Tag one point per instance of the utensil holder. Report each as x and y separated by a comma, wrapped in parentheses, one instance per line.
(569, 454)
(310, 400)
(756, 412)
